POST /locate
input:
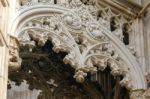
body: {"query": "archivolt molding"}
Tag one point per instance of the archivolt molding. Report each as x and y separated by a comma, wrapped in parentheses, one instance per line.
(90, 46)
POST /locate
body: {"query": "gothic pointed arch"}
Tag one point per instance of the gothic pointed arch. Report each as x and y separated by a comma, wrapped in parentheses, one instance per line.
(90, 45)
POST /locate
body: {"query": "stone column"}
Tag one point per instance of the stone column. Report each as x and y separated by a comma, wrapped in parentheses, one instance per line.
(138, 41)
(3, 71)
(147, 36)
(3, 53)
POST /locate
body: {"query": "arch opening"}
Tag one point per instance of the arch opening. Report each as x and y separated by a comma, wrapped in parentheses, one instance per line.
(109, 85)
(44, 70)
(73, 31)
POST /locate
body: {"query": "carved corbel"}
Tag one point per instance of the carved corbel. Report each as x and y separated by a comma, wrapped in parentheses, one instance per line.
(140, 94)
(14, 59)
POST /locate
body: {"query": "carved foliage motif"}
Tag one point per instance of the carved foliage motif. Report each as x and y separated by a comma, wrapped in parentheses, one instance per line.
(78, 34)
(117, 23)
(64, 3)
(104, 16)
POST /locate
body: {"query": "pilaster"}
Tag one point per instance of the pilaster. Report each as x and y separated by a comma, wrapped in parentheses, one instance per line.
(3, 50)
(3, 71)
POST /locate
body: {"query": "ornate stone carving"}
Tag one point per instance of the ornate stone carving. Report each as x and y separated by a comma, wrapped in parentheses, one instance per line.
(63, 3)
(102, 15)
(82, 32)
(105, 16)
(140, 94)
(84, 53)
(43, 70)
(72, 21)
(95, 31)
(14, 59)
(33, 2)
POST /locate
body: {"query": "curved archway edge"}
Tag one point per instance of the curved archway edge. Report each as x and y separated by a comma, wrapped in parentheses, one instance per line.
(133, 76)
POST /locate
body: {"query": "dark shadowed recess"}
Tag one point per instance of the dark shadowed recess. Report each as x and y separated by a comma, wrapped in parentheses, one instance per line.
(45, 70)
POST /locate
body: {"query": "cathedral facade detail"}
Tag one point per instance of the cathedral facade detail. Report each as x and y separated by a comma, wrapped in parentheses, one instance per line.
(74, 49)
